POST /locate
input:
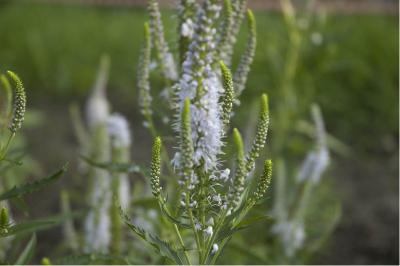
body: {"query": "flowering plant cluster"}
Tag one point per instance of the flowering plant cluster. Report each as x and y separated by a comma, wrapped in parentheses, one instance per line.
(213, 199)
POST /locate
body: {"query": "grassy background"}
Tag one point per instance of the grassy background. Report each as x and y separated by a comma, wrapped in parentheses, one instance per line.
(352, 74)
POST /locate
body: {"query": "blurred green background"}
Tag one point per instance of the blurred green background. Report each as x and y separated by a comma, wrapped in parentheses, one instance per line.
(349, 66)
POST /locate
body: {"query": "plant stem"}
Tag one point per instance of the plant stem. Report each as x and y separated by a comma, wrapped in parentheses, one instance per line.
(196, 236)
(182, 243)
(212, 238)
(4, 150)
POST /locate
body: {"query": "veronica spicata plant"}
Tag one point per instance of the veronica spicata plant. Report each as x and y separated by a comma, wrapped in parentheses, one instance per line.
(212, 199)
(11, 229)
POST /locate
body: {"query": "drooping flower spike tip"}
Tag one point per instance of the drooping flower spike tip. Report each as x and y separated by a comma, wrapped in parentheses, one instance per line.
(155, 168)
(19, 103)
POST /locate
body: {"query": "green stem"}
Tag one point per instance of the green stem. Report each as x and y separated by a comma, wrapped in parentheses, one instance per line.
(196, 236)
(182, 243)
(209, 244)
(5, 149)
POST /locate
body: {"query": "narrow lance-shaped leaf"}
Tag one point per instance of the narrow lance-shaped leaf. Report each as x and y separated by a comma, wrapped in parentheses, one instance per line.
(163, 247)
(36, 225)
(27, 253)
(32, 187)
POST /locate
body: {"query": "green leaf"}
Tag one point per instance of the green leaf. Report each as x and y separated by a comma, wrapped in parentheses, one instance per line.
(27, 227)
(27, 253)
(171, 218)
(36, 225)
(31, 187)
(252, 220)
(162, 247)
(117, 167)
(148, 202)
(228, 232)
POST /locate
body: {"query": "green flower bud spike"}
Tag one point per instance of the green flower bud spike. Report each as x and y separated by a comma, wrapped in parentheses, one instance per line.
(261, 134)
(18, 112)
(227, 100)
(143, 74)
(19, 103)
(226, 30)
(263, 182)
(238, 183)
(155, 169)
(246, 60)
(186, 140)
(4, 218)
(238, 140)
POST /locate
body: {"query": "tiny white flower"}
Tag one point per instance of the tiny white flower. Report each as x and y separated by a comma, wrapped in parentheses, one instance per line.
(217, 198)
(209, 231)
(214, 248)
(197, 226)
(187, 29)
(225, 174)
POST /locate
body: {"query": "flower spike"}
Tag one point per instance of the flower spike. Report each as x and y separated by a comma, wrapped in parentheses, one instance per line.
(261, 134)
(246, 60)
(240, 177)
(263, 182)
(186, 139)
(19, 105)
(228, 97)
(155, 169)
(143, 75)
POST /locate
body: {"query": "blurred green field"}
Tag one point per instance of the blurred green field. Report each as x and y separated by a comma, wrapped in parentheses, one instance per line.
(348, 64)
